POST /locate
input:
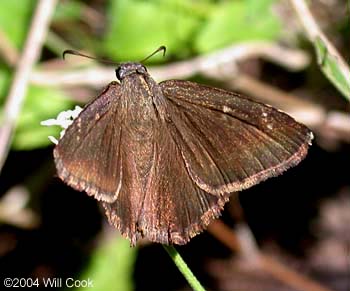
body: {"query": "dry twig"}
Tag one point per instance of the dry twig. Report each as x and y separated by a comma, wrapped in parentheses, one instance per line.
(242, 244)
(332, 64)
(291, 59)
(7, 50)
(18, 88)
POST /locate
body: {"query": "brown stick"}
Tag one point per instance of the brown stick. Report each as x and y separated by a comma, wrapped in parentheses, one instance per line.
(284, 274)
(18, 88)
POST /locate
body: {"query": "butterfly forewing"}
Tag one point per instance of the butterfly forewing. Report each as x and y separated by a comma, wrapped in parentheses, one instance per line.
(88, 155)
(229, 142)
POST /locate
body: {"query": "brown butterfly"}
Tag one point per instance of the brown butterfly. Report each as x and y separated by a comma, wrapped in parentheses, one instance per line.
(164, 158)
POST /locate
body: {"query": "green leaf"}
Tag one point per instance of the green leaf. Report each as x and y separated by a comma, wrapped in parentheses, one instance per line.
(34, 137)
(41, 103)
(256, 8)
(332, 68)
(4, 83)
(238, 21)
(15, 17)
(111, 267)
(137, 28)
(68, 11)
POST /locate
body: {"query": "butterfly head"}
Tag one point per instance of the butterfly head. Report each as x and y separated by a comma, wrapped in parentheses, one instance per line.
(127, 69)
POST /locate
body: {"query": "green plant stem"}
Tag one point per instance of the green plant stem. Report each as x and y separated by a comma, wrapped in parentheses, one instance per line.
(183, 268)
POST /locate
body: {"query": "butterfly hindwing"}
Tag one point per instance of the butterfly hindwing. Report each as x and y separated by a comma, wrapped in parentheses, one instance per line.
(173, 208)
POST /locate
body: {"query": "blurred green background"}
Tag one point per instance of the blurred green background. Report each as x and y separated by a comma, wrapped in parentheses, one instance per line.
(71, 238)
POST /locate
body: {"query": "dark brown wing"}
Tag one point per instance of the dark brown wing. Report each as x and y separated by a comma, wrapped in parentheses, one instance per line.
(229, 142)
(98, 154)
(88, 156)
(171, 209)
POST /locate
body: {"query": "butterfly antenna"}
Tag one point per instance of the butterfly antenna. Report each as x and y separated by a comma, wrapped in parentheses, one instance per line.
(161, 48)
(76, 53)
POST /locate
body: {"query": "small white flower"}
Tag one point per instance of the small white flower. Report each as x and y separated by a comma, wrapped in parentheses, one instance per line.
(64, 119)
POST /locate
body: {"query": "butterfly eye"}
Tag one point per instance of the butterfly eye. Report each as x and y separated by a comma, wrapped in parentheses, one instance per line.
(144, 68)
(117, 72)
